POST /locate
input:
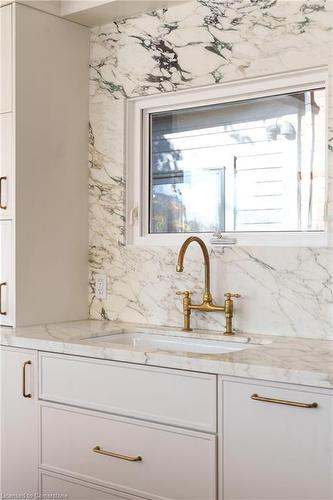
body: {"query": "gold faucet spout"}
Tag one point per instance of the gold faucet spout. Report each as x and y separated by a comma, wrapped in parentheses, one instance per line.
(207, 297)
(207, 304)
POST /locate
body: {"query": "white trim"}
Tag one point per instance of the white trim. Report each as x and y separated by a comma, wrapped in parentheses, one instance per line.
(253, 239)
(137, 113)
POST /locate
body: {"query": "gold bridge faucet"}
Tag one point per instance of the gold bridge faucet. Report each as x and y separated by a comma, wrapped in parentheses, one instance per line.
(207, 304)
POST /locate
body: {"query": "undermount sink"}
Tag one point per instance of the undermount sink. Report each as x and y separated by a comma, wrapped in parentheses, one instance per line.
(148, 341)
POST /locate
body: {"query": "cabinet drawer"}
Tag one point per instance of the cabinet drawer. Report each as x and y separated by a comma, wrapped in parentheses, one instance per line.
(174, 397)
(283, 451)
(176, 464)
(52, 485)
(6, 273)
(6, 59)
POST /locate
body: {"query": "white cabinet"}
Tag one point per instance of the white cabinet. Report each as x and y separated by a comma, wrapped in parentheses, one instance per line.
(7, 166)
(43, 162)
(6, 61)
(19, 422)
(273, 449)
(113, 431)
(169, 411)
(6, 273)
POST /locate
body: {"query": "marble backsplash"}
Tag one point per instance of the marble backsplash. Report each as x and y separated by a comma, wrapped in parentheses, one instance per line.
(285, 291)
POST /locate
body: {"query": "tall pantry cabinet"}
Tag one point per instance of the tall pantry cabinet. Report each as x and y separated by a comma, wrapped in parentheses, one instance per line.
(44, 64)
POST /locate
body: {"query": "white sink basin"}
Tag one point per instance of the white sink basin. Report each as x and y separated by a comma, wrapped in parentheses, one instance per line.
(148, 341)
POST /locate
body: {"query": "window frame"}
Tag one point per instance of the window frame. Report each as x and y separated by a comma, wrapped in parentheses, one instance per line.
(137, 153)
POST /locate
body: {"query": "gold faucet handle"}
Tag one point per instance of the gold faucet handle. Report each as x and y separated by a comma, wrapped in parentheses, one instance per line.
(186, 293)
(228, 296)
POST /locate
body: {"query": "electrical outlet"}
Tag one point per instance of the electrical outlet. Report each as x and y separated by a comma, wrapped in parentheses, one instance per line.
(100, 286)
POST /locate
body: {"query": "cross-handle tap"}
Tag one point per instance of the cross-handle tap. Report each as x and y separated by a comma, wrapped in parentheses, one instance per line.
(207, 304)
(229, 311)
(186, 309)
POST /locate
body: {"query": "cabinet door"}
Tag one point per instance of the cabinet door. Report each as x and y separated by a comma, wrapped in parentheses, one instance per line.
(6, 59)
(6, 166)
(6, 274)
(18, 393)
(273, 450)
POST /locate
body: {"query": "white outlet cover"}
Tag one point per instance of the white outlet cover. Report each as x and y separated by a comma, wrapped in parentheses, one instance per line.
(100, 286)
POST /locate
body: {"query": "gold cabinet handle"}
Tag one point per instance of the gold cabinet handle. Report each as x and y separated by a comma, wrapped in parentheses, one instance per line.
(2, 206)
(98, 449)
(24, 393)
(3, 313)
(256, 397)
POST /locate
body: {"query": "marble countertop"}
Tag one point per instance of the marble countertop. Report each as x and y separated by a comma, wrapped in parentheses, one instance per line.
(280, 359)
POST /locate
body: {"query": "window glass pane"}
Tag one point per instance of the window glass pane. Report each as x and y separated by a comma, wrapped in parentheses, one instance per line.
(254, 165)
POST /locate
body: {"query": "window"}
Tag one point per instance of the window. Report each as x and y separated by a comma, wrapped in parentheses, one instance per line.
(235, 164)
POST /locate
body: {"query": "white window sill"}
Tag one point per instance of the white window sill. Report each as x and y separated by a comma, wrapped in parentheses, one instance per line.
(274, 239)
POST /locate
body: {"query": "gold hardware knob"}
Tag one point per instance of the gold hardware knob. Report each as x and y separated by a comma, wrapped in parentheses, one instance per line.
(228, 296)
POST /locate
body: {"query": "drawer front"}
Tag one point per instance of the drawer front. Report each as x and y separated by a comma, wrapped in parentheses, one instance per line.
(52, 485)
(282, 451)
(6, 166)
(176, 464)
(167, 396)
(6, 274)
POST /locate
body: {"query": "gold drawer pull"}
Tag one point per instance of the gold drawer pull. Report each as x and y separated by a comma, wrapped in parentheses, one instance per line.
(2, 206)
(284, 402)
(98, 449)
(24, 393)
(3, 313)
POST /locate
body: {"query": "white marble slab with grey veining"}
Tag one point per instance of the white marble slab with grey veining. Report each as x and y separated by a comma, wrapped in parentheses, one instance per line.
(285, 291)
(280, 359)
